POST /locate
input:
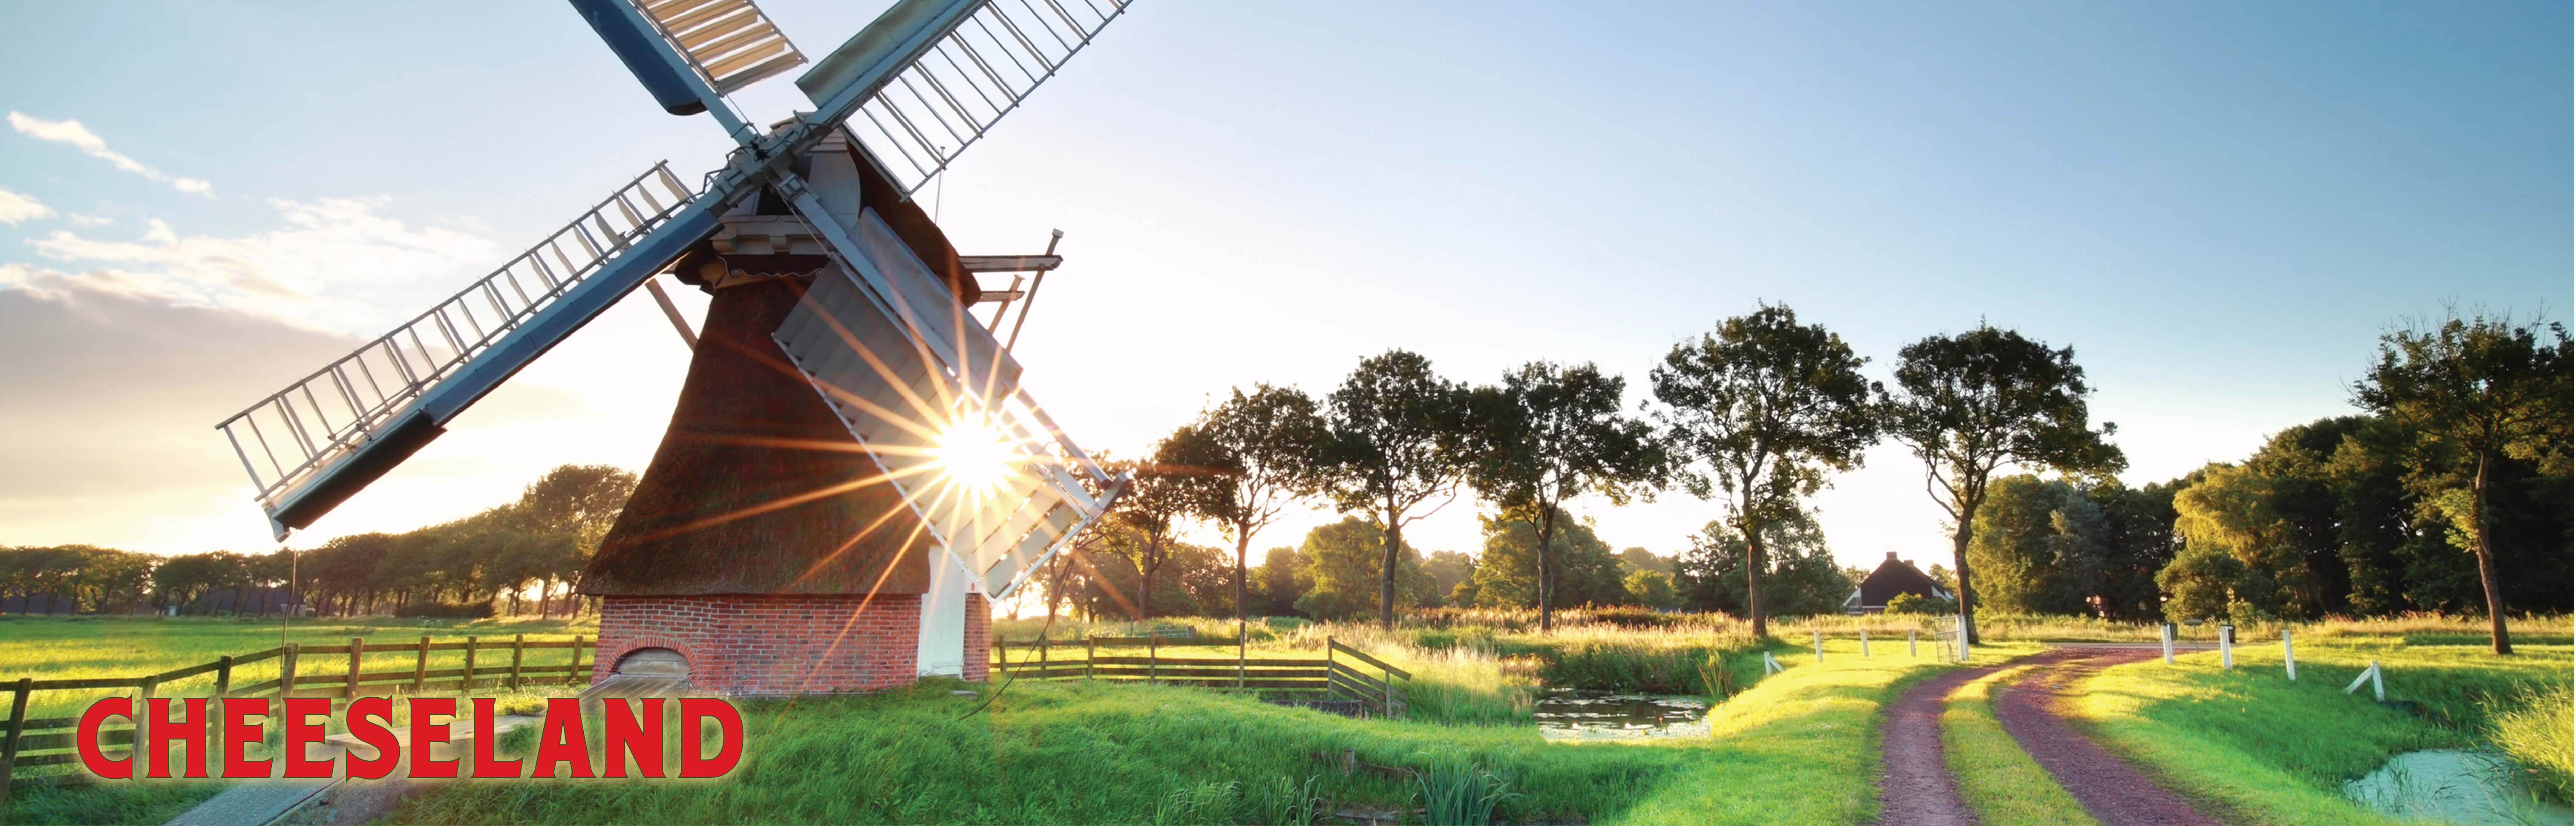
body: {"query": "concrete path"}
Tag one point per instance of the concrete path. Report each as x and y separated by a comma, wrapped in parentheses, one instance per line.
(279, 799)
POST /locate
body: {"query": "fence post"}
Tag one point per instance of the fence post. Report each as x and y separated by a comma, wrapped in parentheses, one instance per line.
(2166, 631)
(573, 675)
(286, 670)
(1820, 645)
(2227, 646)
(1153, 661)
(143, 720)
(2289, 659)
(1909, 644)
(356, 644)
(17, 726)
(214, 721)
(1962, 622)
(1864, 643)
(1328, 668)
(518, 651)
(1044, 645)
(2378, 691)
(466, 686)
(1387, 678)
(1001, 659)
(420, 668)
(1242, 642)
(1090, 652)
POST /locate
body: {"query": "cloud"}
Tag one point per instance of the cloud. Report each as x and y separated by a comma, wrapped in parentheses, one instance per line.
(80, 220)
(15, 208)
(317, 270)
(88, 142)
(111, 400)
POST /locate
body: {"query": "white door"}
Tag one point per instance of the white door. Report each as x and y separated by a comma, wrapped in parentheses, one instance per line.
(943, 618)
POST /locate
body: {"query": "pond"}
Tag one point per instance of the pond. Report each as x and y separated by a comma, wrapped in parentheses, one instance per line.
(2453, 786)
(1574, 714)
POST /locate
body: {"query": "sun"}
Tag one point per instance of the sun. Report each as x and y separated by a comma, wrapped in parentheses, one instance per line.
(974, 453)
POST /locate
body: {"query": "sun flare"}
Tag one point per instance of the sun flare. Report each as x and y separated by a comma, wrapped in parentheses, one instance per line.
(974, 453)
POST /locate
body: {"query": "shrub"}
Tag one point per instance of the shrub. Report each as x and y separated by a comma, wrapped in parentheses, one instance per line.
(446, 610)
(1916, 604)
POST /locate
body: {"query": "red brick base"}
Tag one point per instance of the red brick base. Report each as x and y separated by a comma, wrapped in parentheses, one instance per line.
(764, 644)
(979, 639)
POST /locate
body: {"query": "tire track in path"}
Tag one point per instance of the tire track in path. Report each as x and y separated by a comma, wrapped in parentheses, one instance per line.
(2112, 790)
(1914, 784)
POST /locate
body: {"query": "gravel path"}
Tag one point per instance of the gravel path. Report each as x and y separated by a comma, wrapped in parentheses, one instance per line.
(1914, 784)
(2116, 793)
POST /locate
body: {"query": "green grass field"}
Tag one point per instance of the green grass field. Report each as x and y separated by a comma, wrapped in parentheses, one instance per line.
(2263, 748)
(1800, 747)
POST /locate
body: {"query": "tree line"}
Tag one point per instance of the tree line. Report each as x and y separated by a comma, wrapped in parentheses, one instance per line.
(524, 556)
(2462, 446)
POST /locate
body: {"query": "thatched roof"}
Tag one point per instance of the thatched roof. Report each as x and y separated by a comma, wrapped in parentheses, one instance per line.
(757, 488)
(1893, 577)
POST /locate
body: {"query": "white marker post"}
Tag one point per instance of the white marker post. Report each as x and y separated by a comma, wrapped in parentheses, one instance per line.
(2166, 631)
(2227, 646)
(1769, 665)
(1962, 623)
(1909, 644)
(2289, 659)
(1864, 643)
(2369, 675)
(1820, 646)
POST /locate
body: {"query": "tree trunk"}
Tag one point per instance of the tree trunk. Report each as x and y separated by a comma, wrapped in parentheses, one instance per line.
(1386, 568)
(1546, 578)
(1153, 562)
(2503, 642)
(1959, 557)
(1753, 568)
(1242, 605)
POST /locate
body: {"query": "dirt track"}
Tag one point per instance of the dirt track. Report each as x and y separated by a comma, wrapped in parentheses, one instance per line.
(2112, 790)
(1916, 787)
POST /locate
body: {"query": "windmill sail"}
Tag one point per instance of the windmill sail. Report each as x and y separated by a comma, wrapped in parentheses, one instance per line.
(323, 438)
(964, 64)
(908, 398)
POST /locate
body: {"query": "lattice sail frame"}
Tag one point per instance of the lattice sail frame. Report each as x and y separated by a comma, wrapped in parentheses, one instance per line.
(903, 367)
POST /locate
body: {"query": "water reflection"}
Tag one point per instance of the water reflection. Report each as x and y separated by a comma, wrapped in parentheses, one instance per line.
(1571, 714)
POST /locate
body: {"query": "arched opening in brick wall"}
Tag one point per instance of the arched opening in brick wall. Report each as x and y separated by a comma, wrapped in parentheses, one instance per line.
(654, 662)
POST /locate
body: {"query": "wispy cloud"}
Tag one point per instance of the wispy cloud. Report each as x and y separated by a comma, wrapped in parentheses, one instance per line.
(80, 220)
(15, 208)
(314, 271)
(79, 137)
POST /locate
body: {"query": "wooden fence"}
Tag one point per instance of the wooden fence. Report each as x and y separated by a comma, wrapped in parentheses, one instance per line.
(1343, 672)
(302, 671)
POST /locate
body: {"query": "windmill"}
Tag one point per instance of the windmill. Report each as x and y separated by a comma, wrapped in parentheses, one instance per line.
(853, 470)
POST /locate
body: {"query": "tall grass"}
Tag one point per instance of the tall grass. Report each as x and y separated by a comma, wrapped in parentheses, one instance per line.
(2536, 728)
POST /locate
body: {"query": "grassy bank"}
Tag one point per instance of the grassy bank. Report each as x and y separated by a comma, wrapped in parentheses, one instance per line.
(1800, 746)
(1999, 781)
(2265, 748)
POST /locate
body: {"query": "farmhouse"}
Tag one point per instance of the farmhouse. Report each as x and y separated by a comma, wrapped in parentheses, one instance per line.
(1894, 576)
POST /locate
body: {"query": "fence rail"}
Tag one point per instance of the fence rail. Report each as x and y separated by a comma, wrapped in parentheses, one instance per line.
(1343, 673)
(302, 672)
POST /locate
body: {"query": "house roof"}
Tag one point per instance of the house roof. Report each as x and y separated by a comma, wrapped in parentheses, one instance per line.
(1896, 576)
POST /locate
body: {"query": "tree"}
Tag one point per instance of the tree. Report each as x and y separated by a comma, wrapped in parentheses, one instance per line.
(1768, 405)
(1397, 435)
(2472, 392)
(1982, 400)
(1585, 571)
(1343, 560)
(1447, 570)
(2041, 547)
(1263, 448)
(1804, 580)
(1640, 559)
(1162, 491)
(1284, 578)
(1653, 589)
(1549, 433)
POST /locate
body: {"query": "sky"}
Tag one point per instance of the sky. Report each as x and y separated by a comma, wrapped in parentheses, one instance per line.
(2219, 206)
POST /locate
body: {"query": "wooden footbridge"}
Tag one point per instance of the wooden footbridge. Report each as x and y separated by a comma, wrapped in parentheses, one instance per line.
(1344, 673)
